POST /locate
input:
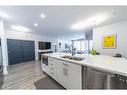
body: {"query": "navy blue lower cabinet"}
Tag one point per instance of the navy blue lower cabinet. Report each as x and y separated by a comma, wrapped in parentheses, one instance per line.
(28, 50)
(20, 51)
(10, 58)
(15, 51)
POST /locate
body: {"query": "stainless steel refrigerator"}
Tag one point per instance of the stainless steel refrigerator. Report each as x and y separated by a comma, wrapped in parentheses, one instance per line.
(1, 67)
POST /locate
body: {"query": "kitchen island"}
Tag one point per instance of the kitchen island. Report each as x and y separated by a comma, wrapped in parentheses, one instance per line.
(109, 65)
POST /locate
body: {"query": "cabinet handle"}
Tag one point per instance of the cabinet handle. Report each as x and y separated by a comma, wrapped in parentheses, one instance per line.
(105, 73)
(64, 71)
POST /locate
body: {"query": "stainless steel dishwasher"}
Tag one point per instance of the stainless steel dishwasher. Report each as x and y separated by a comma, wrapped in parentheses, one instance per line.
(117, 82)
(99, 79)
(95, 79)
(84, 71)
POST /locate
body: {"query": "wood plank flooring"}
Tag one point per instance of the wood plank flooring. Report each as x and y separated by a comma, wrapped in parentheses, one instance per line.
(23, 75)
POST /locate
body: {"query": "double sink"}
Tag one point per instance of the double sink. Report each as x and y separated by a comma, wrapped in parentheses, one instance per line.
(73, 58)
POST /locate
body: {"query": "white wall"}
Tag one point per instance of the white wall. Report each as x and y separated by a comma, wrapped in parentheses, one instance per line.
(120, 29)
(29, 36)
(4, 46)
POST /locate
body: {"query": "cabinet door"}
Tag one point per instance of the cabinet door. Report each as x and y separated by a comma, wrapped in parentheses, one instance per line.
(59, 71)
(65, 74)
(28, 51)
(75, 79)
(45, 68)
(71, 75)
(20, 51)
(15, 51)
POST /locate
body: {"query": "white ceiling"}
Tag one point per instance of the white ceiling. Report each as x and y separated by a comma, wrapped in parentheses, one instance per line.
(59, 19)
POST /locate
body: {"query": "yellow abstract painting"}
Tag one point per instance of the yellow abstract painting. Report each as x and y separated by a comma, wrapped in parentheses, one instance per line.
(109, 41)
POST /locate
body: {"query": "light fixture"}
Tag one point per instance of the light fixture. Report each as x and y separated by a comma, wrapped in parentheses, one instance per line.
(3, 15)
(80, 25)
(97, 19)
(90, 22)
(20, 28)
(42, 16)
(35, 24)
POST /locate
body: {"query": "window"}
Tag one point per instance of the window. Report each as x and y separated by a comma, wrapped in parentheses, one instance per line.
(79, 45)
(91, 45)
(83, 45)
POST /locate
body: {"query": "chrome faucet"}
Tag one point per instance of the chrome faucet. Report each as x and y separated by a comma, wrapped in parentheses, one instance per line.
(73, 49)
(73, 52)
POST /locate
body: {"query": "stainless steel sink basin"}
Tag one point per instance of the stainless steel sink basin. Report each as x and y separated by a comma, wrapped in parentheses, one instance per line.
(66, 57)
(73, 58)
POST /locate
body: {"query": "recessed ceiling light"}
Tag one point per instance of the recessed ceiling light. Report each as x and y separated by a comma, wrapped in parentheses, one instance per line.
(35, 24)
(20, 28)
(42, 16)
(3, 15)
(79, 26)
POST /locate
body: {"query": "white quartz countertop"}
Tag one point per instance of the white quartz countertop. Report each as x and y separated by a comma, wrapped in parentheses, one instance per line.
(101, 62)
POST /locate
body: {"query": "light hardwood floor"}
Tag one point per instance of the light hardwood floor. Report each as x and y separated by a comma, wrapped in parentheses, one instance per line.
(23, 75)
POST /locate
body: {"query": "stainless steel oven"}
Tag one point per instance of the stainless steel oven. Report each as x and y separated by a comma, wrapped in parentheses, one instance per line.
(45, 60)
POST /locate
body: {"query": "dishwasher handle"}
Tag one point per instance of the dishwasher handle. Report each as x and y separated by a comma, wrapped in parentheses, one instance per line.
(104, 72)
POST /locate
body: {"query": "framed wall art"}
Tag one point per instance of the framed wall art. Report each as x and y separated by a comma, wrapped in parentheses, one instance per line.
(109, 41)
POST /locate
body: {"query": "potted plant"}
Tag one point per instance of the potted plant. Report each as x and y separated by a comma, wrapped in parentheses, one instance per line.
(93, 52)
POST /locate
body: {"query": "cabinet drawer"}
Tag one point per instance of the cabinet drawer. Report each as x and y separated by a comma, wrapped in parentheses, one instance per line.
(51, 64)
(45, 68)
(52, 74)
(51, 68)
(51, 59)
